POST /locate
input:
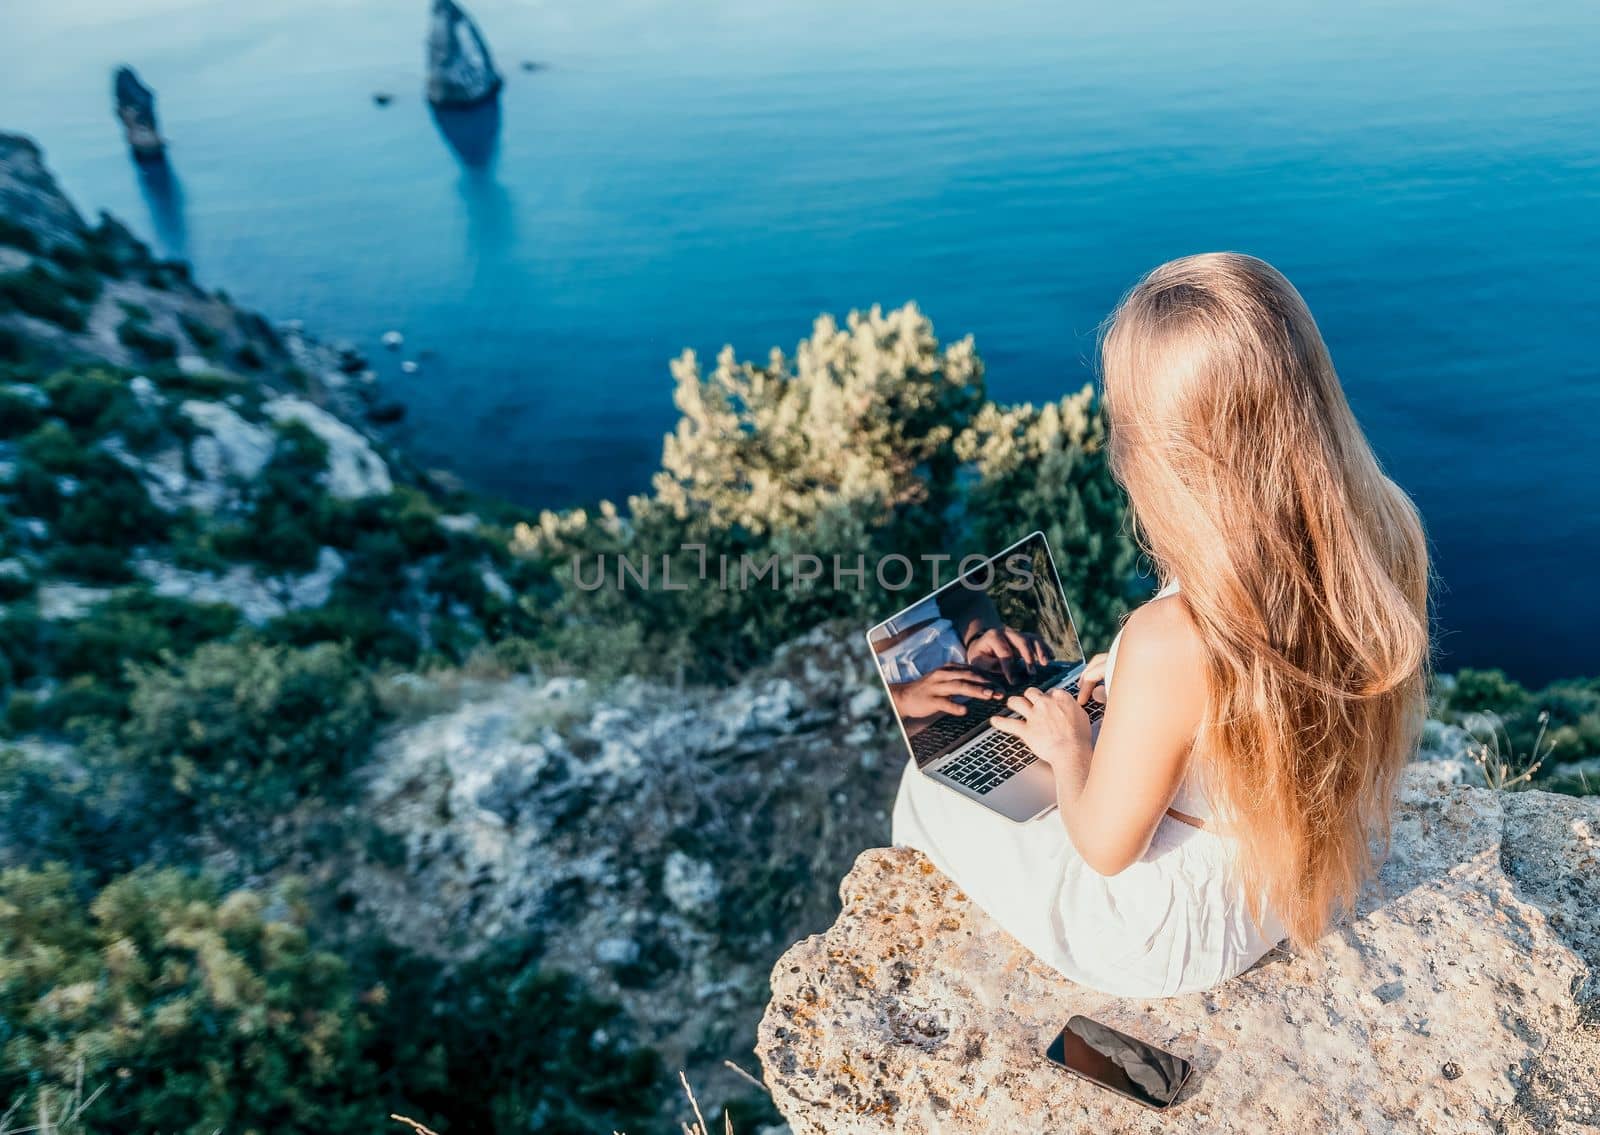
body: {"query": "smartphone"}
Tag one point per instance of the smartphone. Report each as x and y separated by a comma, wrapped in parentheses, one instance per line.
(1130, 1067)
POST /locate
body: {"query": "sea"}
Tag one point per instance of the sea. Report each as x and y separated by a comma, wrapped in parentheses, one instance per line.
(669, 175)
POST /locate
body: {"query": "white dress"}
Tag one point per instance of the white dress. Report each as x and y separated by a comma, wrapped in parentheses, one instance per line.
(1174, 922)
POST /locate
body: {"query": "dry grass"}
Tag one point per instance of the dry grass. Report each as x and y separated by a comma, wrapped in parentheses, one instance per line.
(67, 1119)
(698, 1127)
(1503, 769)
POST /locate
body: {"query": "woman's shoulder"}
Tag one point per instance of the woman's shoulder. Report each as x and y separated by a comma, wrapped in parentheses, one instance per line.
(1161, 643)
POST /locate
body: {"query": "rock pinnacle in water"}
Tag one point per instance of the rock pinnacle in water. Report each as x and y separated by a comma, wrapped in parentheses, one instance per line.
(460, 70)
(136, 108)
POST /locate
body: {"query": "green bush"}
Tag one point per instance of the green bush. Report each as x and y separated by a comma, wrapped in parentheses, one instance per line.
(110, 507)
(871, 441)
(92, 401)
(516, 1049)
(1571, 732)
(251, 723)
(287, 518)
(18, 235)
(140, 337)
(53, 448)
(192, 1011)
(200, 333)
(13, 345)
(38, 292)
(133, 627)
(364, 627)
(18, 414)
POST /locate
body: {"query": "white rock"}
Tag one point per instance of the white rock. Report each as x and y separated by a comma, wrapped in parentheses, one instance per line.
(68, 600)
(194, 365)
(144, 391)
(409, 366)
(258, 599)
(494, 583)
(229, 446)
(460, 522)
(354, 468)
(393, 340)
(616, 951)
(690, 884)
(1478, 948)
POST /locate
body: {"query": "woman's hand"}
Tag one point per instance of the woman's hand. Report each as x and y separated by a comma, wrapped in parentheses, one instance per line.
(1051, 724)
(937, 691)
(1015, 654)
(1092, 681)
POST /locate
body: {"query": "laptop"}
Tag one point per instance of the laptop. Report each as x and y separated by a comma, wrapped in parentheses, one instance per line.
(943, 661)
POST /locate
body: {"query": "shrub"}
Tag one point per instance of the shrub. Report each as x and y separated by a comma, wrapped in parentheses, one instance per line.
(1571, 709)
(57, 810)
(18, 414)
(147, 342)
(91, 401)
(285, 526)
(516, 1049)
(137, 627)
(53, 448)
(198, 1010)
(13, 345)
(200, 333)
(364, 628)
(92, 563)
(36, 291)
(251, 722)
(870, 441)
(18, 235)
(250, 357)
(193, 1010)
(110, 507)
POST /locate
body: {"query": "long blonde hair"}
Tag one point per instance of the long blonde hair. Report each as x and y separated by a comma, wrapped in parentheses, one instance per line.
(1303, 566)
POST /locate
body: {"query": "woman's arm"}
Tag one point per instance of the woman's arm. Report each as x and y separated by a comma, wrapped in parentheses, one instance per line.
(1111, 796)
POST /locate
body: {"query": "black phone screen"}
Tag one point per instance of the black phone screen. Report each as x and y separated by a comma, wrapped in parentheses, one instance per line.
(1119, 1062)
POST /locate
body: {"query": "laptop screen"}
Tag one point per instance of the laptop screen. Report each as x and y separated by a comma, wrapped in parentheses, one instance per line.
(951, 660)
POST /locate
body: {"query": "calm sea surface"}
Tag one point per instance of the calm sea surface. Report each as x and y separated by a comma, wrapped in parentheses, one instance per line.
(690, 173)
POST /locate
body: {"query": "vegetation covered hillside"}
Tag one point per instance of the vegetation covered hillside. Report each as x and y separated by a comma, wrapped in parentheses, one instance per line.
(328, 790)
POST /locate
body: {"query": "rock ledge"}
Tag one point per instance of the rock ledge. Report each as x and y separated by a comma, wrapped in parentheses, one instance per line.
(1477, 948)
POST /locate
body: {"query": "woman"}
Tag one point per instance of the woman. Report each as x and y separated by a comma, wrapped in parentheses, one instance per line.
(1260, 708)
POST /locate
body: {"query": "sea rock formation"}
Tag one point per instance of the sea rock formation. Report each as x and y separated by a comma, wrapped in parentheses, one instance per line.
(136, 108)
(461, 71)
(1460, 998)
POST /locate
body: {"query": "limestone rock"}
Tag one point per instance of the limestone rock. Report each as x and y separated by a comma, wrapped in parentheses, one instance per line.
(136, 109)
(354, 468)
(30, 196)
(460, 70)
(1476, 949)
(258, 599)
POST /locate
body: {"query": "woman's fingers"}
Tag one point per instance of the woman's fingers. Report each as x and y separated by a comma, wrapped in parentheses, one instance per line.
(1019, 704)
(1012, 725)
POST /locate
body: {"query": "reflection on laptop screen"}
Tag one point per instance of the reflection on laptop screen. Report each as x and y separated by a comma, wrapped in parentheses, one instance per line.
(951, 660)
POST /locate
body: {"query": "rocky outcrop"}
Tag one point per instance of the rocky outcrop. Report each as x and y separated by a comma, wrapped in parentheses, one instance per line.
(460, 69)
(664, 844)
(136, 110)
(354, 468)
(31, 200)
(1459, 998)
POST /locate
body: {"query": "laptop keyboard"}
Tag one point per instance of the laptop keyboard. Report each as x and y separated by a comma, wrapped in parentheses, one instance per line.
(999, 756)
(989, 763)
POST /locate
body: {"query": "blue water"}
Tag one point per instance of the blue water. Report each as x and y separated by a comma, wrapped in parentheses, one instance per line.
(689, 173)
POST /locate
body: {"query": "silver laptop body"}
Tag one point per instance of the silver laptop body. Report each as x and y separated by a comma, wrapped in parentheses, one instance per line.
(1014, 597)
